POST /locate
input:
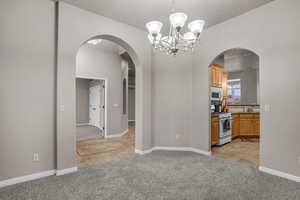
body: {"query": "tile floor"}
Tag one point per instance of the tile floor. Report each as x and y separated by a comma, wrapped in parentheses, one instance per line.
(240, 150)
(88, 132)
(97, 151)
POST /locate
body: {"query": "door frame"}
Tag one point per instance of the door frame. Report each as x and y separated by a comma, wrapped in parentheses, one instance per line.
(105, 101)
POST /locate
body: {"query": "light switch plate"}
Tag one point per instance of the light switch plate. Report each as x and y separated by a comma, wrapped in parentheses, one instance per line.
(267, 108)
(36, 157)
(62, 108)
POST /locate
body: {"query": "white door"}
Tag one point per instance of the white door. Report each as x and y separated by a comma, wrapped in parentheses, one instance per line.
(102, 106)
(95, 106)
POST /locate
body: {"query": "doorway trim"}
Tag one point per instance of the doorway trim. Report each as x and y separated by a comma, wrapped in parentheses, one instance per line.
(105, 101)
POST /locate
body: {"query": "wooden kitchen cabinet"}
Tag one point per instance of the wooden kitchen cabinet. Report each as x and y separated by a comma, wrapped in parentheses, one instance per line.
(216, 76)
(214, 130)
(235, 126)
(249, 125)
(256, 125)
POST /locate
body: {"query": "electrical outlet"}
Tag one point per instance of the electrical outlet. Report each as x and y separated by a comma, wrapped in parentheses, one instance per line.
(36, 157)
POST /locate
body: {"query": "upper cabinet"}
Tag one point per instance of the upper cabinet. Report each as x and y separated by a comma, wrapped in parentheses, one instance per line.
(216, 76)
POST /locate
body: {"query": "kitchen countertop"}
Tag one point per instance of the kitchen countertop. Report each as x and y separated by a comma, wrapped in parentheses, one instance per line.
(245, 113)
(234, 113)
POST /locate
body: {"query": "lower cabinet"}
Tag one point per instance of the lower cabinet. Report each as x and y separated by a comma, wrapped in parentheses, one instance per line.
(249, 125)
(235, 126)
(243, 125)
(214, 130)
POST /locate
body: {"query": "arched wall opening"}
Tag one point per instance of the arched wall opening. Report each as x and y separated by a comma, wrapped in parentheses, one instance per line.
(234, 85)
(71, 35)
(108, 58)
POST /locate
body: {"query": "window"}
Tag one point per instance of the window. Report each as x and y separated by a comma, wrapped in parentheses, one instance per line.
(234, 91)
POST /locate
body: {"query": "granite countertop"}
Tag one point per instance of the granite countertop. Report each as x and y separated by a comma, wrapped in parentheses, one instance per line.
(234, 113)
(245, 113)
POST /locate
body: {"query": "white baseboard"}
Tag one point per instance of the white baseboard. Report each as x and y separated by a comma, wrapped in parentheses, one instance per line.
(190, 149)
(141, 152)
(83, 124)
(66, 171)
(207, 153)
(280, 174)
(117, 135)
(35, 176)
(26, 178)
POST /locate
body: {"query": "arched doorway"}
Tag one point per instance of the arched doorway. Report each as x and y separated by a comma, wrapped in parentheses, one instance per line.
(235, 106)
(111, 60)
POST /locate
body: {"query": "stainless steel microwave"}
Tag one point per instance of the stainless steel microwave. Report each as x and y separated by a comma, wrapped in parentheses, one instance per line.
(215, 94)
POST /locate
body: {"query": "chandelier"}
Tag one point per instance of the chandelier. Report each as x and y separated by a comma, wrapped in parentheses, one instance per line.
(176, 40)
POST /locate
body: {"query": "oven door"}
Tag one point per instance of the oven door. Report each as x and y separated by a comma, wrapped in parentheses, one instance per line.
(225, 126)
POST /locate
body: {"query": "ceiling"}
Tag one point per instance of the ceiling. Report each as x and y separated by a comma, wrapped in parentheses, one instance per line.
(139, 12)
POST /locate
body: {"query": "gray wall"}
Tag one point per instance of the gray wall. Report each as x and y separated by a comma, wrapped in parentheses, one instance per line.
(131, 104)
(278, 48)
(244, 65)
(249, 85)
(82, 101)
(172, 102)
(103, 61)
(27, 87)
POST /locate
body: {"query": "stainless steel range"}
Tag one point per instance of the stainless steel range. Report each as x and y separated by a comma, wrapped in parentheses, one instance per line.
(225, 126)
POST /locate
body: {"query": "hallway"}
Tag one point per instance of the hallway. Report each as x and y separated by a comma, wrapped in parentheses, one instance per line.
(97, 151)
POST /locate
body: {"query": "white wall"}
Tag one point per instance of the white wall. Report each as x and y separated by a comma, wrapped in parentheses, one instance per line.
(103, 61)
(27, 87)
(272, 31)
